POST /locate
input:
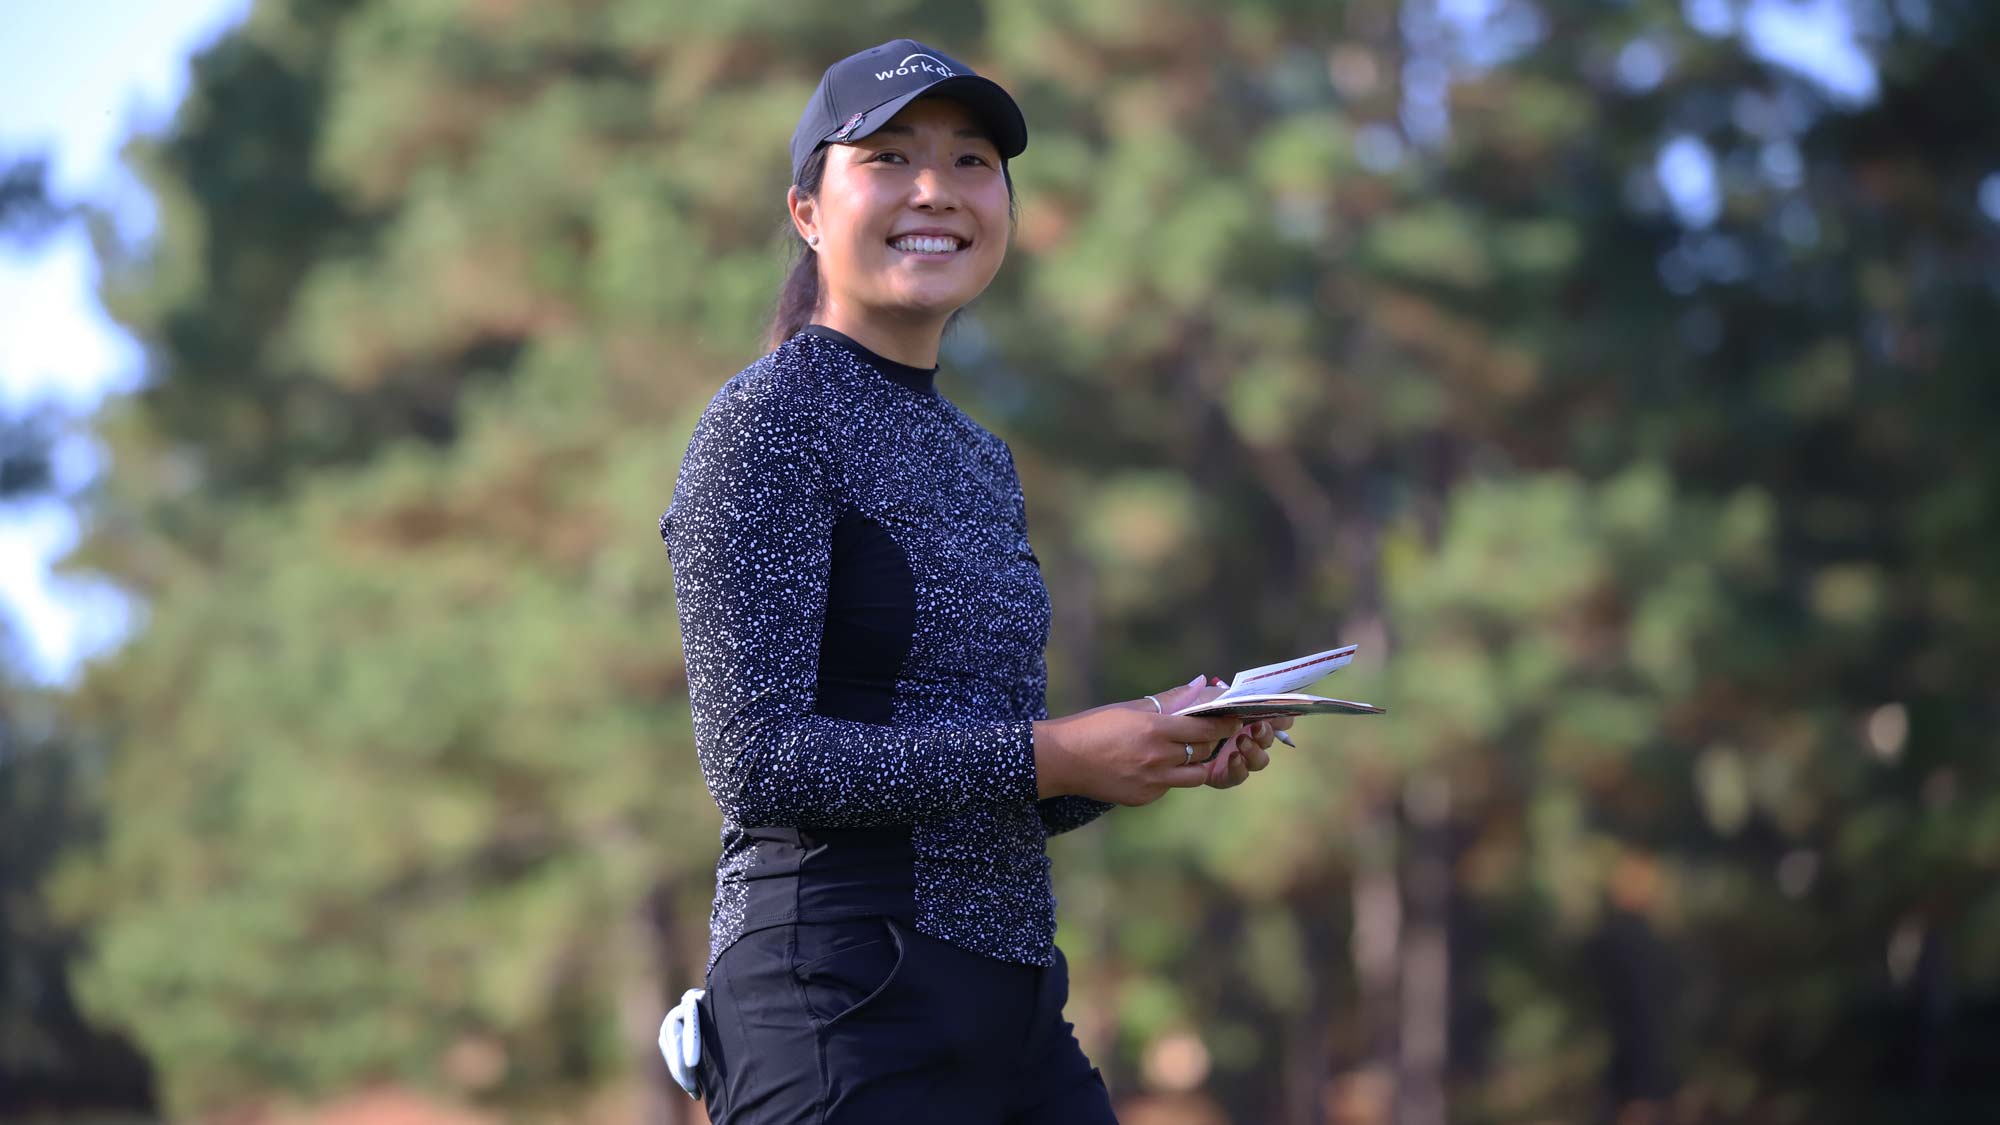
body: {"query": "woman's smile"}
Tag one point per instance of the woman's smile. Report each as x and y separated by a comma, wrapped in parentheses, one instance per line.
(922, 247)
(929, 243)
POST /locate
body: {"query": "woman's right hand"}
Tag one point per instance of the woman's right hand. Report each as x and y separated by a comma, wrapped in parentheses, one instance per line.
(1127, 753)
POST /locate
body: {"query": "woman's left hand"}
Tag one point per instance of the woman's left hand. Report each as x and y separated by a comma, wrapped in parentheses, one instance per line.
(1248, 752)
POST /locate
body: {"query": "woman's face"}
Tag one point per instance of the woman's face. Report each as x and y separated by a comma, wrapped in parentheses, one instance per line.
(929, 170)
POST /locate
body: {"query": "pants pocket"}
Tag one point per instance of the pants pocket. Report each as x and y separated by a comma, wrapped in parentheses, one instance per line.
(845, 966)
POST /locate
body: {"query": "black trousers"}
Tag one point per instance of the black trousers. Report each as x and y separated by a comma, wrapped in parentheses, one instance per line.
(867, 1020)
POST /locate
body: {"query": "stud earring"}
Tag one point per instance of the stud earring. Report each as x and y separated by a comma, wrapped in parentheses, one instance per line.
(813, 241)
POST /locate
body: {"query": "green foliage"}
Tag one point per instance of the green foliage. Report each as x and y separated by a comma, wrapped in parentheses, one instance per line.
(1666, 546)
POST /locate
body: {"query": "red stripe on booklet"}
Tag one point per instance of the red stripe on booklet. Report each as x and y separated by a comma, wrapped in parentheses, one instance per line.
(1336, 654)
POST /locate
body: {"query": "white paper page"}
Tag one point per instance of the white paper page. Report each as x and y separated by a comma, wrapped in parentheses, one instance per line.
(1251, 708)
(1288, 675)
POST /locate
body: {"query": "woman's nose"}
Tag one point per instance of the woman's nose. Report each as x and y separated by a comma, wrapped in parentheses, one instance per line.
(933, 189)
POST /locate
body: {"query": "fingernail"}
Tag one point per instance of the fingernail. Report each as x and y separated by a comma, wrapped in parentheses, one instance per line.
(1197, 681)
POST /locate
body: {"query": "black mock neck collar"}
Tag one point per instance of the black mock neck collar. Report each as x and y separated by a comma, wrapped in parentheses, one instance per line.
(922, 380)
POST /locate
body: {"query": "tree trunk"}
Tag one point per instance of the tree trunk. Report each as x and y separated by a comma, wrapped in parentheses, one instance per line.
(1425, 961)
(1378, 931)
(643, 1003)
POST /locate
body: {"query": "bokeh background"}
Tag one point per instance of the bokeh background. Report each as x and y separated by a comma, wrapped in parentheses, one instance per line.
(1617, 373)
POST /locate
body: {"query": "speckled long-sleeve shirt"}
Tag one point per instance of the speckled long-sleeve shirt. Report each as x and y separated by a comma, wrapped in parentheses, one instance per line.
(864, 623)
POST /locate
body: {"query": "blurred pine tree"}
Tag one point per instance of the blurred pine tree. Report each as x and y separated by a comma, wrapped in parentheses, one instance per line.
(1664, 532)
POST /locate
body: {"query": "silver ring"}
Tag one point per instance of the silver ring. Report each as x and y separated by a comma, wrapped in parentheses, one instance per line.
(1190, 754)
(1157, 707)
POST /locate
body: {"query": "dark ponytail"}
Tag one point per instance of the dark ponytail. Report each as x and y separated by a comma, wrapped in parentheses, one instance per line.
(798, 298)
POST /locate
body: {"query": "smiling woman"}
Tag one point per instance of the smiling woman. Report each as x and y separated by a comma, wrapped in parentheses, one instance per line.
(909, 223)
(864, 620)
(843, 194)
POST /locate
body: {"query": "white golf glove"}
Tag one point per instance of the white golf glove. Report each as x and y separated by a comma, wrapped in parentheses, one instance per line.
(680, 1041)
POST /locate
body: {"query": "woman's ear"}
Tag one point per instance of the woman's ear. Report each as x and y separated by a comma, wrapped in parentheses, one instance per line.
(805, 213)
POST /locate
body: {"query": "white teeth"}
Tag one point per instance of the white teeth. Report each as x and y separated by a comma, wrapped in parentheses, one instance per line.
(925, 244)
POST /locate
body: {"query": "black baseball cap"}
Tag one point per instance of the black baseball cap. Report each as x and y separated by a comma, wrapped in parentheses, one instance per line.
(860, 93)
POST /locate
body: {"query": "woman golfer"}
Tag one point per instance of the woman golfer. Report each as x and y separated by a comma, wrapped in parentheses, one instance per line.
(864, 622)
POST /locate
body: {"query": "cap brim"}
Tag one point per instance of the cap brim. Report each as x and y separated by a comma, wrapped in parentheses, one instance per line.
(983, 96)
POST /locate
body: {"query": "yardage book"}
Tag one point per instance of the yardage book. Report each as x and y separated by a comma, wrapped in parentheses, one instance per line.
(1273, 690)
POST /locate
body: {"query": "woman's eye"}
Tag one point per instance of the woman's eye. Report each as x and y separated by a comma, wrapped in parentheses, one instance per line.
(880, 156)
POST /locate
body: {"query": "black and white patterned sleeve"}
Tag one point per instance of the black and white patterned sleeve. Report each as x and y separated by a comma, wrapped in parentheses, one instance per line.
(1062, 814)
(750, 531)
